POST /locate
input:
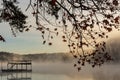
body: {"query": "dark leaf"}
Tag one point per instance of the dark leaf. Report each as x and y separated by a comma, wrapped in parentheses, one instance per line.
(44, 42)
(115, 2)
(2, 39)
(75, 65)
(74, 56)
(50, 43)
(79, 68)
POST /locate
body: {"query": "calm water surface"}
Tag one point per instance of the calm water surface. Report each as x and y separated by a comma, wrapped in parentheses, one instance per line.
(37, 76)
(65, 71)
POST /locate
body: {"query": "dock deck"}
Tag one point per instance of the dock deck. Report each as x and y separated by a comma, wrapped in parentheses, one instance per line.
(20, 79)
(15, 70)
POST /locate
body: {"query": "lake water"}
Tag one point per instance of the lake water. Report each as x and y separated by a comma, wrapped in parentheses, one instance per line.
(37, 76)
(65, 71)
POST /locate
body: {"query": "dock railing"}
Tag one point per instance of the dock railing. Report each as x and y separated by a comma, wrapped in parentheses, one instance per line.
(18, 66)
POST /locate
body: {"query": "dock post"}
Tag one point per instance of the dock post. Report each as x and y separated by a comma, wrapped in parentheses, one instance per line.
(7, 65)
(31, 66)
(1, 66)
(16, 66)
(21, 66)
(26, 67)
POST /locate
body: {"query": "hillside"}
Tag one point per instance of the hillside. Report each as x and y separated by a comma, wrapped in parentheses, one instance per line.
(64, 57)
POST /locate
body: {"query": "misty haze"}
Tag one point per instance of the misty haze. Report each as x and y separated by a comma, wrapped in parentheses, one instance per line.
(60, 66)
(59, 40)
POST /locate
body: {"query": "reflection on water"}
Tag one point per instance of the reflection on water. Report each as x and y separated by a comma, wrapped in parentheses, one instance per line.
(16, 76)
(107, 72)
(39, 76)
(65, 71)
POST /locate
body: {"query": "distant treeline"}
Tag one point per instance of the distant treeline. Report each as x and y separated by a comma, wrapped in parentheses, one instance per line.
(64, 57)
(113, 48)
(5, 56)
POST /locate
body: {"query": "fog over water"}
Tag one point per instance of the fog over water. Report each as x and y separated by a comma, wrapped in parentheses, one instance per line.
(105, 72)
(65, 71)
(61, 69)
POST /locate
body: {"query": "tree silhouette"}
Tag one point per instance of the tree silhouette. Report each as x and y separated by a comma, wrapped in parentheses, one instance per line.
(85, 24)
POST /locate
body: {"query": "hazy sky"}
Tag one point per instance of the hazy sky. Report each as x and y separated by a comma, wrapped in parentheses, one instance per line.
(30, 42)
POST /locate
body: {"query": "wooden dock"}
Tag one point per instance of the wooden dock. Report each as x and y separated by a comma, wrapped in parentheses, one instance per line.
(18, 66)
(16, 70)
